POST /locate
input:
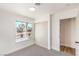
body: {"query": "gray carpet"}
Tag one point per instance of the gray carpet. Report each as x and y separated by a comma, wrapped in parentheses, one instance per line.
(36, 50)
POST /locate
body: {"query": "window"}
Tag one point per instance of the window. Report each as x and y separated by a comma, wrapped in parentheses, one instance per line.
(24, 31)
(29, 27)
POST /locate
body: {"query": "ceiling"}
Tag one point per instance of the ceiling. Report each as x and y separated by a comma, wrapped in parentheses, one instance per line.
(43, 9)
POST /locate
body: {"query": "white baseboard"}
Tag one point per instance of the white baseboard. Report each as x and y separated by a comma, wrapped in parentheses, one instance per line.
(41, 45)
(27, 45)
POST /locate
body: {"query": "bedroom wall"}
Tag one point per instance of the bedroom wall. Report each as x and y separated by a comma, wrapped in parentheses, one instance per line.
(8, 32)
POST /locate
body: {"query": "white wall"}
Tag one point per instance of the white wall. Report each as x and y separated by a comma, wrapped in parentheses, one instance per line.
(8, 32)
(50, 32)
(41, 34)
(77, 34)
(42, 18)
(55, 33)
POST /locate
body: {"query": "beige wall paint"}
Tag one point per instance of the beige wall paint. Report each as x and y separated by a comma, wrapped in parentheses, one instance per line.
(41, 34)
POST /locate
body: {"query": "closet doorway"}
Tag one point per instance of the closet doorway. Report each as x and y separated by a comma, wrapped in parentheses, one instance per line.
(67, 36)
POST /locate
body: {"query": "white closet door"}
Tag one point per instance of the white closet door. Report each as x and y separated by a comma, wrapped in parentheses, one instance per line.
(41, 34)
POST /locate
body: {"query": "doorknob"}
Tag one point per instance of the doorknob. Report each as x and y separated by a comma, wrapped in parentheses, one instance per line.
(77, 42)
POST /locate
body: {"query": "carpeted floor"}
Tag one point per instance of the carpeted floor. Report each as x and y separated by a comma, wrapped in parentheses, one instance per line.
(36, 50)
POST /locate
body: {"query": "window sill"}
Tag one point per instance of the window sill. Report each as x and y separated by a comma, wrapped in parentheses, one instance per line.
(21, 40)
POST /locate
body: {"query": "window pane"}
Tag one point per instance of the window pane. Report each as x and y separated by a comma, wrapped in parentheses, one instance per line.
(29, 27)
(20, 26)
(24, 31)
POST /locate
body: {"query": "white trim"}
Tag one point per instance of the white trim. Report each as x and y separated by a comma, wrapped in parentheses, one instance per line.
(27, 45)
